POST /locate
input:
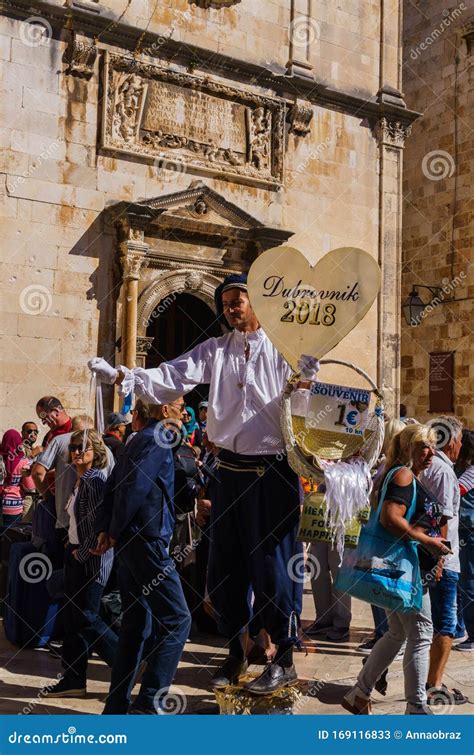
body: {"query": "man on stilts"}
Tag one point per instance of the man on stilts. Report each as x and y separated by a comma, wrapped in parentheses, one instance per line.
(255, 512)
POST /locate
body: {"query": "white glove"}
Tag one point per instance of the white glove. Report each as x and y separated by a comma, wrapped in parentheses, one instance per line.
(308, 366)
(103, 370)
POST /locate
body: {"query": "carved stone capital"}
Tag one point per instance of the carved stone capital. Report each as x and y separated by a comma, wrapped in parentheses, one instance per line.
(392, 133)
(132, 263)
(144, 344)
(81, 56)
(136, 234)
(300, 117)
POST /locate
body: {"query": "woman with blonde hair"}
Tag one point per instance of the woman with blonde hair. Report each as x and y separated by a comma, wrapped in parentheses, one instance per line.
(85, 574)
(410, 453)
(392, 428)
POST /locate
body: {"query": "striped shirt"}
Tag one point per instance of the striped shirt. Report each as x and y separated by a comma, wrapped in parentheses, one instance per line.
(86, 508)
(14, 488)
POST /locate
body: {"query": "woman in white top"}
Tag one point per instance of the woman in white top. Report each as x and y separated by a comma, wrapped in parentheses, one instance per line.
(85, 574)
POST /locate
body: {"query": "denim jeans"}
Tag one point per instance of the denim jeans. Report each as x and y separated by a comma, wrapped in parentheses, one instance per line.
(84, 629)
(417, 630)
(152, 603)
(466, 582)
(444, 603)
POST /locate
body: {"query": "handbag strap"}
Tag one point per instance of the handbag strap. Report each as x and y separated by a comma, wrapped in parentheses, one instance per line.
(383, 492)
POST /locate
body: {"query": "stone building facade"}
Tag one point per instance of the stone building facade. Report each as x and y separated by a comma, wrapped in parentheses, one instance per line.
(438, 220)
(150, 148)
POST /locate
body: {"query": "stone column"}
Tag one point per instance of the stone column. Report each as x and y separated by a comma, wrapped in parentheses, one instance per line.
(144, 344)
(132, 257)
(391, 137)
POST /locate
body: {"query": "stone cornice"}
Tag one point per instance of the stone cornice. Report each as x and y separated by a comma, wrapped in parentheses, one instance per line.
(126, 37)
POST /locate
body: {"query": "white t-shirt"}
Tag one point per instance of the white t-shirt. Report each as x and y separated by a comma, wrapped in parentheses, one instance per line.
(72, 530)
(440, 479)
(56, 456)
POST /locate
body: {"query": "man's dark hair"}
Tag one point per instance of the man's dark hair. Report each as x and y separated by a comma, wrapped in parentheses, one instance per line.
(49, 403)
(143, 412)
(31, 422)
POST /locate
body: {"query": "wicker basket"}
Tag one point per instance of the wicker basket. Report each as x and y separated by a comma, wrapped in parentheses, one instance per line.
(307, 456)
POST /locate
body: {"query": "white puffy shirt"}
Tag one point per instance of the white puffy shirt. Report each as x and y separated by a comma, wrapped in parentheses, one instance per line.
(244, 396)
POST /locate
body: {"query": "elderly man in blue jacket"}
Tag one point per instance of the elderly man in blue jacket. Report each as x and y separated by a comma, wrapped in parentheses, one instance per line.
(138, 521)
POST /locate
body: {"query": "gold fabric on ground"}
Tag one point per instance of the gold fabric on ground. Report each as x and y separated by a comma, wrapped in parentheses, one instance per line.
(236, 701)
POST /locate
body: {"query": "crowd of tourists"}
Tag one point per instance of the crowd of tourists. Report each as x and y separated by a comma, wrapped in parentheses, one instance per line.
(167, 524)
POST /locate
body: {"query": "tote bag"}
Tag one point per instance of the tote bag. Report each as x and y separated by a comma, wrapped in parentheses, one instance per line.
(383, 570)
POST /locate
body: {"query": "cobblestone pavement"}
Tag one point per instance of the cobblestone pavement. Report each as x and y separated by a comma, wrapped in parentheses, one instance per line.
(325, 675)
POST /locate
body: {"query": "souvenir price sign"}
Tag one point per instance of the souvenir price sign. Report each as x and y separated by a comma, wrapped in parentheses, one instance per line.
(338, 408)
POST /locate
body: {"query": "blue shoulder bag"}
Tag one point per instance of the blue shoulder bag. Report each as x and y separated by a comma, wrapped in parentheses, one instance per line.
(383, 570)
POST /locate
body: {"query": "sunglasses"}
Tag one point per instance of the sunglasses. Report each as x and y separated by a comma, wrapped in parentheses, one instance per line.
(178, 406)
(78, 447)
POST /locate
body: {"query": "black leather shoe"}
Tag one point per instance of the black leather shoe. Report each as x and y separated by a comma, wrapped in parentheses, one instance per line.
(273, 678)
(229, 672)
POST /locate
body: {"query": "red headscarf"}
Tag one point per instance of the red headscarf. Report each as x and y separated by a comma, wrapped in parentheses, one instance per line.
(11, 449)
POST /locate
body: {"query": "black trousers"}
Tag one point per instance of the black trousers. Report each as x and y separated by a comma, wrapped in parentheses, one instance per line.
(254, 523)
(84, 628)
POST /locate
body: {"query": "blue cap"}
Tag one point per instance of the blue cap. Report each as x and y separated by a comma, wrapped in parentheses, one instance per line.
(115, 419)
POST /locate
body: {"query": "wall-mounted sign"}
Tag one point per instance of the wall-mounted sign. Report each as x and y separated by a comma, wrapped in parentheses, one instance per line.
(307, 309)
(441, 382)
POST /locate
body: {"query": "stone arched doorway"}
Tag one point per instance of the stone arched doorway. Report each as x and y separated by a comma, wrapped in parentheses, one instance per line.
(181, 243)
(179, 326)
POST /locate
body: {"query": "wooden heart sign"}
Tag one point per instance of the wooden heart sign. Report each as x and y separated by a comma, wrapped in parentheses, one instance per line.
(308, 309)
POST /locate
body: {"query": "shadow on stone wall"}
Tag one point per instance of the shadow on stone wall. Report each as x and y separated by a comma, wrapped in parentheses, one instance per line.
(99, 242)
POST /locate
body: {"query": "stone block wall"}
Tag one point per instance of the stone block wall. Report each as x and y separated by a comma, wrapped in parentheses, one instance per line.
(438, 230)
(58, 268)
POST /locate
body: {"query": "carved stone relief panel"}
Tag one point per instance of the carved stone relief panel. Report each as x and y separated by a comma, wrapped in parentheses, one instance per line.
(167, 115)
